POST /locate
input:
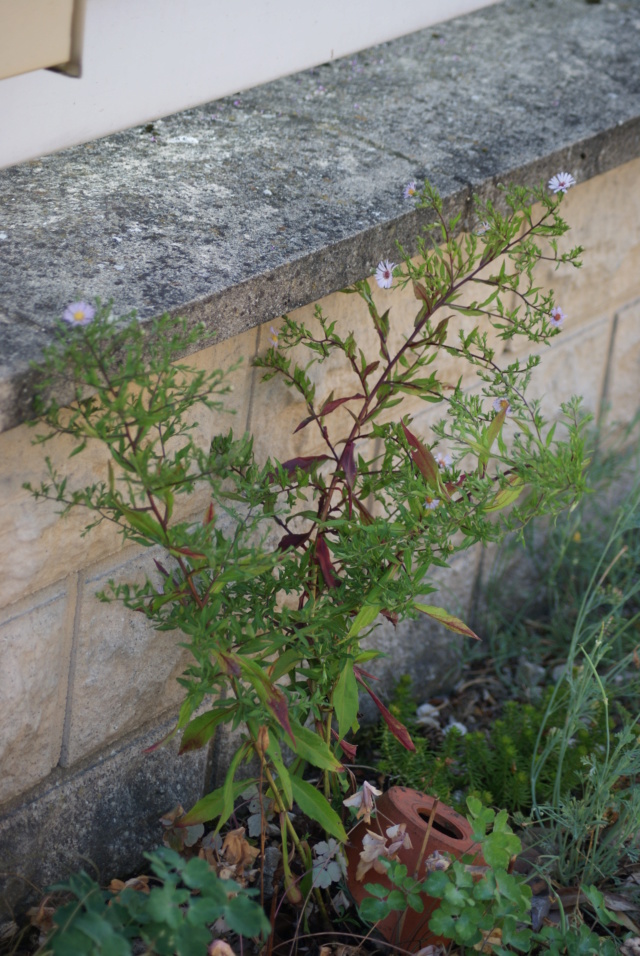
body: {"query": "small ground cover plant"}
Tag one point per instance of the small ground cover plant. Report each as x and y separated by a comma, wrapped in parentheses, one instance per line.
(276, 631)
(568, 765)
(170, 912)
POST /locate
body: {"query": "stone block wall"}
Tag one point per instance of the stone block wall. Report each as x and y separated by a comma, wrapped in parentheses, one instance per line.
(85, 687)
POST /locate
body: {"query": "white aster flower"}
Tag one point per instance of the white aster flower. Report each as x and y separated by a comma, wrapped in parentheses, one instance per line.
(410, 190)
(561, 182)
(482, 228)
(384, 274)
(273, 337)
(443, 461)
(431, 503)
(502, 405)
(557, 317)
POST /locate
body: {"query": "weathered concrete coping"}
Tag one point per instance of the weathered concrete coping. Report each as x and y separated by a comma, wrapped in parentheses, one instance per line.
(240, 210)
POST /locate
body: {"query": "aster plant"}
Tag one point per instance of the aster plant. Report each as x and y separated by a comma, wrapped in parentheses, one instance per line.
(275, 586)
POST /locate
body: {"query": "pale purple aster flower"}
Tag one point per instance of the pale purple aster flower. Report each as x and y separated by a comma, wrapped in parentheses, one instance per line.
(482, 228)
(431, 503)
(273, 337)
(364, 800)
(561, 182)
(79, 313)
(410, 190)
(502, 405)
(443, 461)
(557, 317)
(384, 274)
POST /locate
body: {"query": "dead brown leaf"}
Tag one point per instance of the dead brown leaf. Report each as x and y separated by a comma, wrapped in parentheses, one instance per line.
(219, 948)
(42, 916)
(489, 939)
(138, 883)
(237, 850)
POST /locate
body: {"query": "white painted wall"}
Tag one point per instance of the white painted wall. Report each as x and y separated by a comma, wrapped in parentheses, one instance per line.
(148, 58)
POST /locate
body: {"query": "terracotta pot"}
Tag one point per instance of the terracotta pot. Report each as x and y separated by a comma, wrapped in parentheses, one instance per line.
(450, 833)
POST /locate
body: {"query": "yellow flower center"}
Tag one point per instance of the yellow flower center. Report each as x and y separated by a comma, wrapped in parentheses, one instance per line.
(78, 316)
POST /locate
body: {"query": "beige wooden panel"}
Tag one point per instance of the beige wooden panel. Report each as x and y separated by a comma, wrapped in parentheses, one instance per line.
(34, 34)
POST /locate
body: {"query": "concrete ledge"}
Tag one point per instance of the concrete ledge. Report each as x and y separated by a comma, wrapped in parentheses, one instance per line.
(237, 211)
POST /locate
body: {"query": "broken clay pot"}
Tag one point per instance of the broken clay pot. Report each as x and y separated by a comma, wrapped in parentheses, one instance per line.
(450, 834)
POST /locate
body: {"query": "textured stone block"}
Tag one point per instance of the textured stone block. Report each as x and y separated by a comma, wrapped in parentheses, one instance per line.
(35, 643)
(33, 537)
(604, 218)
(622, 393)
(426, 650)
(124, 673)
(574, 364)
(100, 817)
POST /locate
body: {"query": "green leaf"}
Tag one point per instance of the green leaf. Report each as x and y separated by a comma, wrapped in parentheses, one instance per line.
(311, 747)
(372, 910)
(286, 662)
(443, 924)
(202, 728)
(396, 900)
(228, 795)
(270, 695)
(377, 890)
(444, 617)
(415, 901)
(507, 495)
(210, 806)
(437, 882)
(283, 774)
(492, 433)
(246, 917)
(317, 807)
(345, 700)
(96, 926)
(144, 523)
(191, 940)
(365, 616)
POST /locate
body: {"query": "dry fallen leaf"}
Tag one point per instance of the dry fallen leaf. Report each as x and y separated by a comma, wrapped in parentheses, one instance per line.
(139, 883)
(42, 916)
(235, 849)
(219, 948)
(7, 930)
(491, 938)
(339, 949)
